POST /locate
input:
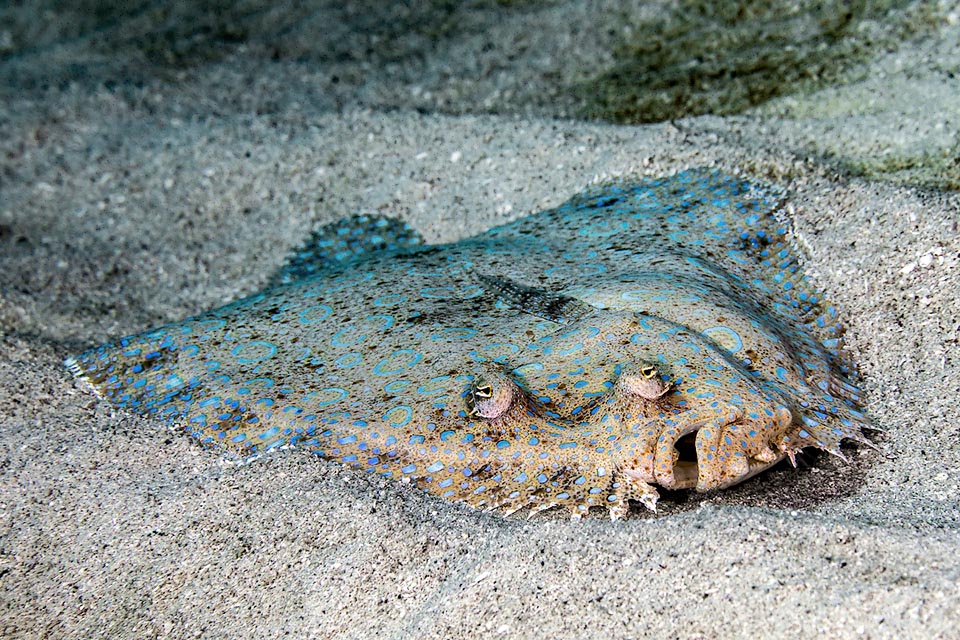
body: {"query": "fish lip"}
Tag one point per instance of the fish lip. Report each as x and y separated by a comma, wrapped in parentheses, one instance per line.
(755, 467)
(686, 480)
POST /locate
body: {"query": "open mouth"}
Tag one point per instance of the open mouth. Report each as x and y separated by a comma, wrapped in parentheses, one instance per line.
(686, 469)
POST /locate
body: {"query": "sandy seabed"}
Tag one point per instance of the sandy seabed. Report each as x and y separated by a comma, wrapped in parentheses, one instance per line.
(117, 215)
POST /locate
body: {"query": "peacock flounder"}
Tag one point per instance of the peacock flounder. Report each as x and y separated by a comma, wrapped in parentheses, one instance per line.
(647, 332)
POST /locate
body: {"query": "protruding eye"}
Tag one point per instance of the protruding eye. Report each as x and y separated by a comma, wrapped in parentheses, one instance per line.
(492, 395)
(643, 379)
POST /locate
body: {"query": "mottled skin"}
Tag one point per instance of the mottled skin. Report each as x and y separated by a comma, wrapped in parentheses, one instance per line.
(648, 332)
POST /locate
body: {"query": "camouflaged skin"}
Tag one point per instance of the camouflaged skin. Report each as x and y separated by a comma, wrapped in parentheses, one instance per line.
(647, 332)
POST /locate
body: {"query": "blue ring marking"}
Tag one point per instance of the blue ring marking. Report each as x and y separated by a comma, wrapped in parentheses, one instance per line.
(454, 333)
(216, 323)
(332, 391)
(635, 295)
(523, 369)
(413, 357)
(190, 350)
(265, 382)
(433, 386)
(564, 352)
(512, 348)
(389, 299)
(410, 468)
(433, 273)
(781, 374)
(436, 466)
(725, 337)
(387, 319)
(398, 421)
(314, 314)
(396, 386)
(348, 360)
(470, 291)
(338, 342)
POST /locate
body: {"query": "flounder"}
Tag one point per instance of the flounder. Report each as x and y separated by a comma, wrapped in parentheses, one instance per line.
(649, 332)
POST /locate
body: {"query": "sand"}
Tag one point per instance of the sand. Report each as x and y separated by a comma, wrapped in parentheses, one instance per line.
(139, 193)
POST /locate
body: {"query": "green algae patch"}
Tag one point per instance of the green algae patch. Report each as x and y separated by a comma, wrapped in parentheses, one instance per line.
(724, 58)
(938, 169)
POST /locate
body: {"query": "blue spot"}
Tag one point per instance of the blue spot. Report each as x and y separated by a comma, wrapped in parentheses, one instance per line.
(269, 433)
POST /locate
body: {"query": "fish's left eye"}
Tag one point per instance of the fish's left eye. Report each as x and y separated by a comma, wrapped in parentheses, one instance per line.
(644, 380)
(492, 396)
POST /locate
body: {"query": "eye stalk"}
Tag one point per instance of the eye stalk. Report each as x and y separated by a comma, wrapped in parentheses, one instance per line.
(643, 379)
(492, 395)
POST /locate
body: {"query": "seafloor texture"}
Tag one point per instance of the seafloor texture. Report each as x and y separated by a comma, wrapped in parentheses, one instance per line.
(136, 193)
(645, 332)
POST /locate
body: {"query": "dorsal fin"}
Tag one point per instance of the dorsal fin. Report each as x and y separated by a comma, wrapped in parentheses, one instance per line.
(539, 302)
(358, 236)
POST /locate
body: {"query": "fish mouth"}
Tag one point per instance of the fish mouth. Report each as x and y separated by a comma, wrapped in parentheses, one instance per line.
(700, 461)
(686, 470)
